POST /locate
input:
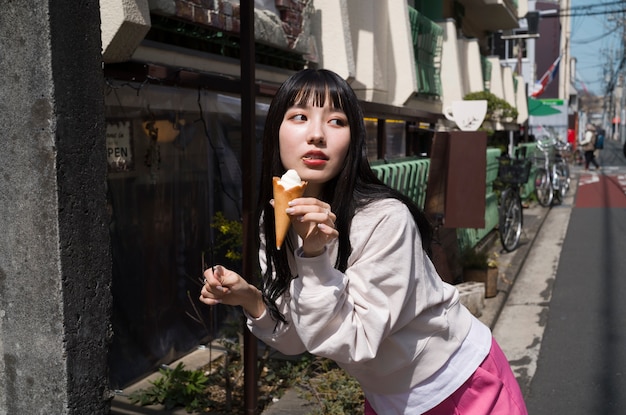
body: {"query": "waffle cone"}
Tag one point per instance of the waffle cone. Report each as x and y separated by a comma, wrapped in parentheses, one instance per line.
(282, 197)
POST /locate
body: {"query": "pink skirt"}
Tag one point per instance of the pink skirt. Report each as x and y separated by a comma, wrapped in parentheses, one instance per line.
(491, 390)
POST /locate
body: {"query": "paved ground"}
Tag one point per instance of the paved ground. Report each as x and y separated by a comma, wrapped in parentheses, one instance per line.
(581, 365)
(520, 326)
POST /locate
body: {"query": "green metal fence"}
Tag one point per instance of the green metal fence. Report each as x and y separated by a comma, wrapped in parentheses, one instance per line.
(427, 44)
(486, 69)
(408, 176)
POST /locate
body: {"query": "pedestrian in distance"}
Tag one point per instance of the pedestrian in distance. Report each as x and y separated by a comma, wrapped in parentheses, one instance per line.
(599, 143)
(353, 281)
(588, 144)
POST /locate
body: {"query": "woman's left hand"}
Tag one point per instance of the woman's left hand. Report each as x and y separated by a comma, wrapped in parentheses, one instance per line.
(314, 222)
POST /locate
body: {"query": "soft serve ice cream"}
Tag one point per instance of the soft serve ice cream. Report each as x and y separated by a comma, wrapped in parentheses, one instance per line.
(286, 188)
(290, 179)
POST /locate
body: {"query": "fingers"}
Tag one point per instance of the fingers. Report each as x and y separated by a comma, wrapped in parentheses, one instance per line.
(312, 210)
(214, 288)
(315, 223)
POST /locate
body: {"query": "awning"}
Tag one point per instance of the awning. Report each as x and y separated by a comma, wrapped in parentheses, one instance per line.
(538, 108)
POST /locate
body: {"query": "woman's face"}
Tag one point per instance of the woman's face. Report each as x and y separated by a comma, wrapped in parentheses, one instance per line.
(314, 142)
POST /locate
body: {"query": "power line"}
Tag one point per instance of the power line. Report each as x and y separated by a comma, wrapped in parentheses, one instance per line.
(583, 14)
(587, 10)
(591, 40)
(590, 6)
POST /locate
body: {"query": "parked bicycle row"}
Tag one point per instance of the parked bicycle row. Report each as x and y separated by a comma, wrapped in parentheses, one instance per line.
(551, 181)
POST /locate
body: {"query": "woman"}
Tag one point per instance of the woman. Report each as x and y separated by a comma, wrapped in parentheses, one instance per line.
(354, 282)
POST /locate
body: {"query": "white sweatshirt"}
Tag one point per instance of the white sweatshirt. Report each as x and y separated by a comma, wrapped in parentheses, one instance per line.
(389, 320)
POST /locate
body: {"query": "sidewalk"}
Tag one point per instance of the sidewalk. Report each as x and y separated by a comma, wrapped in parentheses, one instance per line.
(509, 265)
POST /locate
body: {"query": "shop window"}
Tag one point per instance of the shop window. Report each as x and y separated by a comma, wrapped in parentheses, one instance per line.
(371, 130)
(394, 139)
(174, 167)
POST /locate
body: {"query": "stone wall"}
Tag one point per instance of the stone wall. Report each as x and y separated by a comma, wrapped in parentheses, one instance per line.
(55, 265)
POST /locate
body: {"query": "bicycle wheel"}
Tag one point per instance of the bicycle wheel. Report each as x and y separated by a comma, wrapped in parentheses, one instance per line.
(510, 219)
(557, 186)
(543, 187)
(562, 169)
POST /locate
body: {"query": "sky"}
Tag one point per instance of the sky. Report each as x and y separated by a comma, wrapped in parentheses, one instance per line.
(596, 39)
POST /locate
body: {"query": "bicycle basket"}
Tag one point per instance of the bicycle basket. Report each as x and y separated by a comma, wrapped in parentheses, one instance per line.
(513, 171)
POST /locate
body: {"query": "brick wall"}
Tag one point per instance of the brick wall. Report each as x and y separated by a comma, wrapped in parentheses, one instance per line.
(292, 15)
(223, 15)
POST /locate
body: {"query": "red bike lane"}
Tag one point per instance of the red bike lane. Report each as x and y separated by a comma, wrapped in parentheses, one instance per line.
(598, 190)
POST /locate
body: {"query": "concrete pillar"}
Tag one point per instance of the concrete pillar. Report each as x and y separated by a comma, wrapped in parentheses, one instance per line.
(521, 100)
(508, 86)
(55, 271)
(496, 86)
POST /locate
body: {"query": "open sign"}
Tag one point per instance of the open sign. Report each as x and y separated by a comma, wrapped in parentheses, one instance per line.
(119, 146)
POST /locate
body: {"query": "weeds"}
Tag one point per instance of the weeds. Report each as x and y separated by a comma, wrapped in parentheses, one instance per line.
(336, 392)
(175, 387)
(218, 386)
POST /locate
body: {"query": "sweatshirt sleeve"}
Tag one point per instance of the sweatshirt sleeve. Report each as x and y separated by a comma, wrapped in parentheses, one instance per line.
(346, 316)
(280, 336)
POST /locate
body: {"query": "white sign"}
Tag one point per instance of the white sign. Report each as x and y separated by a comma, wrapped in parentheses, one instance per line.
(119, 146)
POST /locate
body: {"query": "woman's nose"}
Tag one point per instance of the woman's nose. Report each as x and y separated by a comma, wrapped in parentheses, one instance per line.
(316, 135)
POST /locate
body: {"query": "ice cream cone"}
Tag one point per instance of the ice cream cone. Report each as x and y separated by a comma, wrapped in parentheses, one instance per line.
(282, 197)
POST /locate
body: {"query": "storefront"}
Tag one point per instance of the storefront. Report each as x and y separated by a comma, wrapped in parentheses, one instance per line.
(174, 183)
(174, 171)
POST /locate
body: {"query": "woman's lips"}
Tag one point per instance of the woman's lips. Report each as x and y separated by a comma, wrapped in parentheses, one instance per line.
(314, 158)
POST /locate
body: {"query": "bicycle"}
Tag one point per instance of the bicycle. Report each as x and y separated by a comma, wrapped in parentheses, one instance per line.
(563, 152)
(512, 173)
(552, 177)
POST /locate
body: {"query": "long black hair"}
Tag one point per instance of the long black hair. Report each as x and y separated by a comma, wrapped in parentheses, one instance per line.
(355, 186)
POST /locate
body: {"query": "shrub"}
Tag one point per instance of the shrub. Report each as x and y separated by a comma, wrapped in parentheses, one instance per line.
(497, 108)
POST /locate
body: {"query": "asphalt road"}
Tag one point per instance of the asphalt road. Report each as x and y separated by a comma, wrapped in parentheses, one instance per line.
(564, 325)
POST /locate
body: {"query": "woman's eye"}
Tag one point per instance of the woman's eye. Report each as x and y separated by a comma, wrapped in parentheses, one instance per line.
(299, 117)
(338, 122)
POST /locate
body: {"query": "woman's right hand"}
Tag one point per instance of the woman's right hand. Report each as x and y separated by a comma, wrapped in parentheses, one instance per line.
(314, 222)
(223, 286)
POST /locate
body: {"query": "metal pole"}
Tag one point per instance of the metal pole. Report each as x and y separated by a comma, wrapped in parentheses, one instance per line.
(249, 185)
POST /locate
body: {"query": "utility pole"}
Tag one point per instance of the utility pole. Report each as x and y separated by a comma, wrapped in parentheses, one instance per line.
(564, 69)
(621, 78)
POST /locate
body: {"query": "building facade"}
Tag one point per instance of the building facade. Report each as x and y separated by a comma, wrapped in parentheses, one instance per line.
(174, 137)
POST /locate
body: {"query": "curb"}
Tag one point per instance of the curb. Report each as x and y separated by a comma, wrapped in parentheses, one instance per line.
(512, 263)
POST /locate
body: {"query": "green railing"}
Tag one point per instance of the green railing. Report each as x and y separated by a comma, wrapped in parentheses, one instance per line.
(486, 68)
(408, 176)
(427, 44)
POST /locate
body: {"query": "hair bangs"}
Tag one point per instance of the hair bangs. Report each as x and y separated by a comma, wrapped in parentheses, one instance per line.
(317, 92)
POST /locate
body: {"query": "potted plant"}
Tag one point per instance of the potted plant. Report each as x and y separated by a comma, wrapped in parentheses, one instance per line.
(498, 110)
(480, 266)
